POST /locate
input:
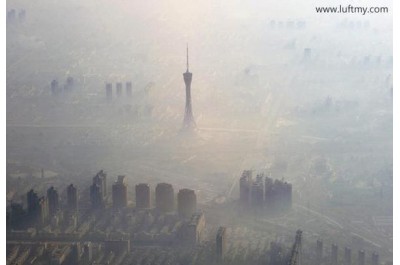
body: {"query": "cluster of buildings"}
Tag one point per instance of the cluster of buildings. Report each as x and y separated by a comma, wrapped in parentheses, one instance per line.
(118, 90)
(57, 89)
(13, 14)
(264, 192)
(173, 219)
(164, 196)
(43, 210)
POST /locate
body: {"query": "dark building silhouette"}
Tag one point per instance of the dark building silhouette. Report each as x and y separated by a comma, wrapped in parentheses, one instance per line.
(72, 199)
(187, 203)
(98, 190)
(245, 187)
(17, 215)
(70, 82)
(109, 92)
(54, 87)
(191, 232)
(22, 15)
(120, 193)
(319, 252)
(11, 14)
(221, 243)
(96, 197)
(37, 208)
(375, 259)
(142, 196)
(257, 192)
(128, 89)
(334, 254)
(278, 195)
(263, 192)
(347, 256)
(188, 120)
(53, 200)
(165, 197)
(361, 257)
(119, 89)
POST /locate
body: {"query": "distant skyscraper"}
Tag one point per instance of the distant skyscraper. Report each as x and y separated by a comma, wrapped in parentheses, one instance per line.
(245, 187)
(375, 259)
(17, 216)
(361, 257)
(334, 254)
(54, 87)
(96, 196)
(142, 196)
(347, 256)
(72, 198)
(32, 201)
(257, 192)
(188, 120)
(221, 242)
(109, 91)
(120, 193)
(165, 197)
(101, 180)
(119, 89)
(319, 251)
(98, 190)
(53, 200)
(187, 203)
(129, 89)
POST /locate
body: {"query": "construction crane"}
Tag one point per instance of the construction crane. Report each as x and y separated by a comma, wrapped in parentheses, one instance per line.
(295, 255)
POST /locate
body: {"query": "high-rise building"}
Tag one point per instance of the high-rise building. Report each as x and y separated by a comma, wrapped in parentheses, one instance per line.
(257, 192)
(119, 89)
(334, 254)
(221, 242)
(187, 203)
(54, 87)
(43, 214)
(165, 197)
(188, 120)
(37, 208)
(245, 187)
(72, 199)
(347, 256)
(32, 201)
(53, 200)
(128, 89)
(96, 196)
(142, 196)
(361, 257)
(319, 252)
(375, 259)
(98, 190)
(109, 91)
(17, 215)
(101, 180)
(120, 193)
(191, 232)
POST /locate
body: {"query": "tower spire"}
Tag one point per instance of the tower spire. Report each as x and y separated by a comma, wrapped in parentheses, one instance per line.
(187, 57)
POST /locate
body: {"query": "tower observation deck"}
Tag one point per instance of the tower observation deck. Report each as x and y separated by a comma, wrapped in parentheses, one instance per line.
(188, 120)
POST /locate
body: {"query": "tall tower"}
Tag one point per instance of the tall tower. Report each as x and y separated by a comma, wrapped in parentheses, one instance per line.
(188, 120)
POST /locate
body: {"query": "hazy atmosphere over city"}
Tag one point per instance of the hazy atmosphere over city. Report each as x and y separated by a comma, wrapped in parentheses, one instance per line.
(198, 132)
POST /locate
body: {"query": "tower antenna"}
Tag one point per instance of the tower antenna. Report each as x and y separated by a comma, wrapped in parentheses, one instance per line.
(187, 57)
